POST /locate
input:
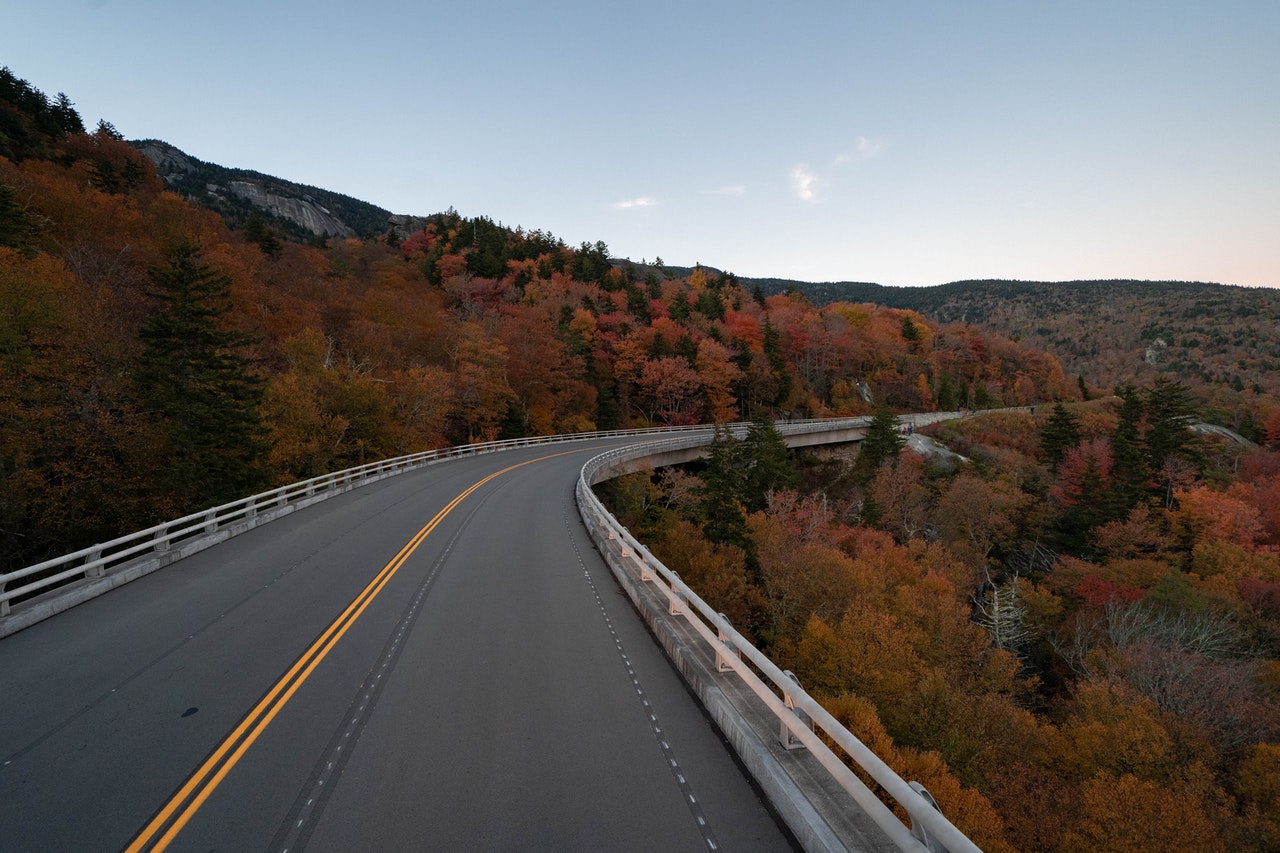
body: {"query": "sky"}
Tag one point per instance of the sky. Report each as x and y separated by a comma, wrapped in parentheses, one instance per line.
(904, 142)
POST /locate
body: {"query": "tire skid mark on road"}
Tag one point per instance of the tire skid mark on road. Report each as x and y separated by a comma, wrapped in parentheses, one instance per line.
(686, 789)
(302, 818)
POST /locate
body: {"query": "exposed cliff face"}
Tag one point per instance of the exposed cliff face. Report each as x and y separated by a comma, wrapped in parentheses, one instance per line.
(300, 211)
(235, 193)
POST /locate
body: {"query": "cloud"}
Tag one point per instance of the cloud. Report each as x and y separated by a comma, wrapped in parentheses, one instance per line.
(733, 190)
(864, 148)
(642, 201)
(804, 182)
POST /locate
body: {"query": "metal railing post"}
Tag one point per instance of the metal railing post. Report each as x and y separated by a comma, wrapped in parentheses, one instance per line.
(786, 736)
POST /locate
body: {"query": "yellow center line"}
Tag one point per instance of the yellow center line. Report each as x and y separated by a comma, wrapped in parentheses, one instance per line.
(211, 773)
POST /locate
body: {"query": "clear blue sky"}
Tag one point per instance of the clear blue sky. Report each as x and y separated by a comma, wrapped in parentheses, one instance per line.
(907, 142)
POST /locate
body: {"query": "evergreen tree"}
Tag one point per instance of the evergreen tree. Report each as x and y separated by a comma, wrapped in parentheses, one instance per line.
(724, 483)
(256, 231)
(710, 305)
(767, 464)
(777, 363)
(64, 112)
(1059, 434)
(909, 331)
(883, 442)
(198, 383)
(1170, 411)
(1084, 389)
(947, 396)
(1129, 468)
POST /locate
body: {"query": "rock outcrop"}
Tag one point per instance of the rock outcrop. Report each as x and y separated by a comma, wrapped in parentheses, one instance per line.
(236, 192)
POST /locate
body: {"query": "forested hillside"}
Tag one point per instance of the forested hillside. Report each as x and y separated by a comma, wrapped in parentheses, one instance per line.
(1222, 341)
(156, 360)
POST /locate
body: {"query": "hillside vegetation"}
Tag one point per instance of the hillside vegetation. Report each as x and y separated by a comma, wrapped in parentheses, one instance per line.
(1222, 341)
(156, 360)
(1071, 638)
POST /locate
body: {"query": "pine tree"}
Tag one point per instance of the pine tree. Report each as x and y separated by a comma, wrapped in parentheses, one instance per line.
(197, 382)
(1170, 410)
(1084, 389)
(1059, 434)
(883, 442)
(256, 231)
(1129, 469)
(766, 462)
(777, 363)
(720, 498)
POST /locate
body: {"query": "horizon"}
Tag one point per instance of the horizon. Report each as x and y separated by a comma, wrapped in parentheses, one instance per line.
(819, 143)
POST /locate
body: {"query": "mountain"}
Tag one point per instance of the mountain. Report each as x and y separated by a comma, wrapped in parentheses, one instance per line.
(1213, 337)
(297, 210)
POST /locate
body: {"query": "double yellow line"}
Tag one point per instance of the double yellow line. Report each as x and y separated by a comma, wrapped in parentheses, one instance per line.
(182, 806)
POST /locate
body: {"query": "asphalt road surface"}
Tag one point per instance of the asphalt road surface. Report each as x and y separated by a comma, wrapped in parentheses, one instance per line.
(439, 661)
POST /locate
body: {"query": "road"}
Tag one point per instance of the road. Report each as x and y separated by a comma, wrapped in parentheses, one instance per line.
(439, 661)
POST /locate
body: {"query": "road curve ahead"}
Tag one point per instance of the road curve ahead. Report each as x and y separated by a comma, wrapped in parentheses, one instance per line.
(438, 661)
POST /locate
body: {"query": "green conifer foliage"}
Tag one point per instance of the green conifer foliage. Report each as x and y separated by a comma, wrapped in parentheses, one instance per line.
(1129, 469)
(197, 381)
(720, 497)
(883, 443)
(1059, 434)
(766, 462)
(1170, 410)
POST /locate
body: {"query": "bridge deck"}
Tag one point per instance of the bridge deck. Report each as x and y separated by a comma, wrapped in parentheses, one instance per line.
(497, 693)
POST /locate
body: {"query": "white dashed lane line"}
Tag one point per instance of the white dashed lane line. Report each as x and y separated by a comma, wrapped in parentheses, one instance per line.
(685, 788)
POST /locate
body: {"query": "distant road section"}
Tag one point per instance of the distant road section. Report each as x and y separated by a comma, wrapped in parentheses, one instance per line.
(438, 661)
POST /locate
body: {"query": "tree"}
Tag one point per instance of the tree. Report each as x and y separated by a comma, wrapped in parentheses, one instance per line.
(1085, 490)
(719, 499)
(1170, 411)
(1001, 612)
(976, 517)
(64, 112)
(883, 442)
(766, 462)
(1129, 469)
(1059, 434)
(256, 231)
(197, 379)
(672, 387)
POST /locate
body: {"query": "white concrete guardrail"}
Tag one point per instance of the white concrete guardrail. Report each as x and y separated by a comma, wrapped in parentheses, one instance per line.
(102, 567)
(801, 719)
(92, 571)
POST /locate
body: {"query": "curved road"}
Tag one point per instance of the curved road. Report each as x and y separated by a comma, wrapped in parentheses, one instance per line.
(439, 661)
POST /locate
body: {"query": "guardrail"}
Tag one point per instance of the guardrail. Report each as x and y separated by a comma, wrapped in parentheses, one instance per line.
(193, 533)
(181, 537)
(200, 530)
(127, 557)
(800, 716)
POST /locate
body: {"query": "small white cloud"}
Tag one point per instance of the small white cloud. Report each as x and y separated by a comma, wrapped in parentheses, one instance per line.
(864, 148)
(804, 183)
(642, 201)
(733, 191)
